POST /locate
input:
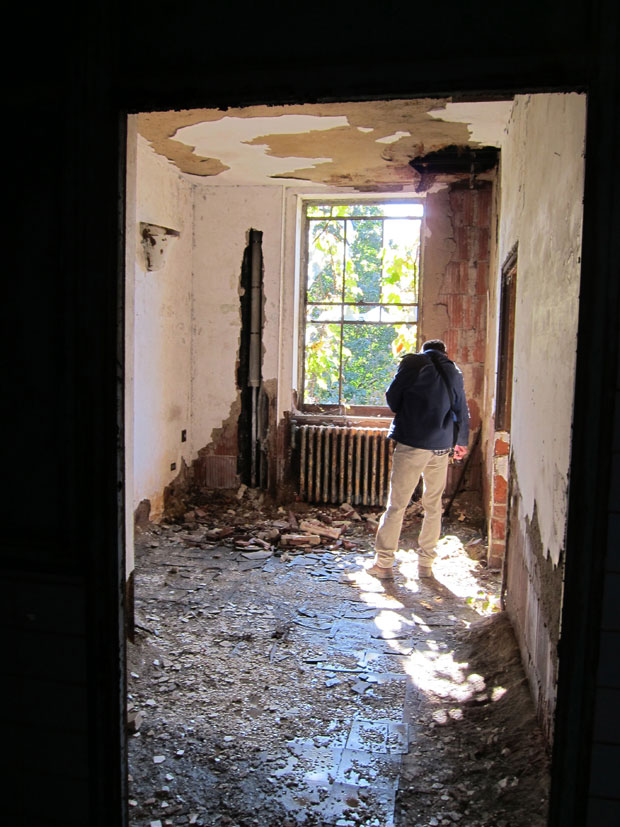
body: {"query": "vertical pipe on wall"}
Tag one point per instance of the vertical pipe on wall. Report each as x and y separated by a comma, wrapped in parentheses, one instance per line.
(254, 374)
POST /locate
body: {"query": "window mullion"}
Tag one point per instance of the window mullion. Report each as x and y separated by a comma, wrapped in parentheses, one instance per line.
(342, 300)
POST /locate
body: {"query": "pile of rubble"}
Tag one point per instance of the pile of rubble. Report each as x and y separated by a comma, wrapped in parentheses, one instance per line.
(269, 685)
(288, 530)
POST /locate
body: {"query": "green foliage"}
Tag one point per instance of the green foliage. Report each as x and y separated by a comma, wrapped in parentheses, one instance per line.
(362, 274)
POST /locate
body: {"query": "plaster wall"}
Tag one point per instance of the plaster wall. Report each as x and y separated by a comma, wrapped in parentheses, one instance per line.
(541, 209)
(162, 334)
(223, 217)
(542, 174)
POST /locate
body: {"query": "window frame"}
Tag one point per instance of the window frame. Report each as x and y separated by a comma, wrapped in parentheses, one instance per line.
(336, 409)
(505, 345)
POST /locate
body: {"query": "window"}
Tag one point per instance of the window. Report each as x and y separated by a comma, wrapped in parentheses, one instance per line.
(360, 300)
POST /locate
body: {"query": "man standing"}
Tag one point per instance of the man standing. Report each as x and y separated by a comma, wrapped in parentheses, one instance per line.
(431, 419)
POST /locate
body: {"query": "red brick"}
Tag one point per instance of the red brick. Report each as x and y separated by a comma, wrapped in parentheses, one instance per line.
(464, 269)
(502, 447)
(477, 380)
(483, 244)
(455, 311)
(456, 205)
(500, 489)
(499, 511)
(474, 414)
(496, 555)
(479, 352)
(469, 200)
(498, 529)
(451, 339)
(462, 243)
(482, 277)
(451, 279)
(484, 207)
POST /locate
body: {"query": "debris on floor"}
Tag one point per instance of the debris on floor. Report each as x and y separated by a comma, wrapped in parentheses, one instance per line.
(273, 682)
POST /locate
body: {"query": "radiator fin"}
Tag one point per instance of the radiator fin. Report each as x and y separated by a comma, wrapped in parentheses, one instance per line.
(339, 464)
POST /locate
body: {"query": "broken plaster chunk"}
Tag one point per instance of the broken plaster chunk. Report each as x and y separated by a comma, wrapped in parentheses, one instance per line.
(300, 540)
(159, 759)
(256, 555)
(134, 721)
(314, 527)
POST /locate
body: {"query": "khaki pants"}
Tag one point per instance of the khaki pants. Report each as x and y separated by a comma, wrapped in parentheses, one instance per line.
(407, 466)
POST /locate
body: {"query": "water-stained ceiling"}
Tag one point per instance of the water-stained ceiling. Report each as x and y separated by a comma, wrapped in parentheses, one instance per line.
(366, 145)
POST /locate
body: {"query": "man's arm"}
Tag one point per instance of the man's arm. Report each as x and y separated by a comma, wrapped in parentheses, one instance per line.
(460, 449)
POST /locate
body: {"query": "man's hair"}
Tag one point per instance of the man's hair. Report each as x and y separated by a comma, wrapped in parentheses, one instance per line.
(434, 344)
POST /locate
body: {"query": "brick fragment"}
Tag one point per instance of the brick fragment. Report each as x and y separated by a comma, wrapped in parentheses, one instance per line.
(498, 529)
(500, 489)
(502, 447)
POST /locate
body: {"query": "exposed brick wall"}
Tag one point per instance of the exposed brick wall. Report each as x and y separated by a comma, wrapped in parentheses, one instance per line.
(455, 289)
(464, 288)
(533, 586)
(498, 500)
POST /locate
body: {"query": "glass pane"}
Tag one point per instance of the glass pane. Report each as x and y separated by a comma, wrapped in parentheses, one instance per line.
(318, 210)
(369, 362)
(359, 209)
(362, 313)
(322, 364)
(402, 251)
(394, 314)
(364, 260)
(403, 209)
(323, 312)
(325, 260)
(396, 209)
(406, 339)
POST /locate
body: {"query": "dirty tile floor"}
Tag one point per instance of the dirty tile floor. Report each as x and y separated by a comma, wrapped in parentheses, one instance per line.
(282, 686)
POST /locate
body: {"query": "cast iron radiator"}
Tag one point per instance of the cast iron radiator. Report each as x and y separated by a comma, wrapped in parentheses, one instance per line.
(339, 464)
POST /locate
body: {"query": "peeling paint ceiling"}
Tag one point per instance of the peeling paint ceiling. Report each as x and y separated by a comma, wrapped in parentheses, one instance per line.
(365, 145)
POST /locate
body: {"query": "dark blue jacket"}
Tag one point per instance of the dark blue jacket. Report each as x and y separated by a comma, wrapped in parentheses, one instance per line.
(419, 399)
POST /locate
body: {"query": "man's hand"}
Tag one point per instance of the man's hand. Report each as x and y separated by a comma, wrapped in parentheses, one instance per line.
(459, 452)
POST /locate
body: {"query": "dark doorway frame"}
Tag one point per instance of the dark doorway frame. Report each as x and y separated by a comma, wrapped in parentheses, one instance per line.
(578, 648)
(66, 368)
(505, 356)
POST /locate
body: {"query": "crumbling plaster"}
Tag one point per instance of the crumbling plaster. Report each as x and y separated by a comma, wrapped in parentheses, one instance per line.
(222, 218)
(542, 173)
(365, 144)
(162, 329)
